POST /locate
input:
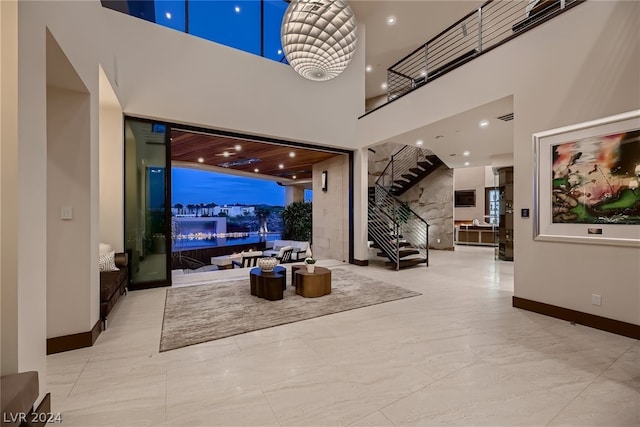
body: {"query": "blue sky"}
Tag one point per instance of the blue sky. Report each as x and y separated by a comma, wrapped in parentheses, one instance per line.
(196, 186)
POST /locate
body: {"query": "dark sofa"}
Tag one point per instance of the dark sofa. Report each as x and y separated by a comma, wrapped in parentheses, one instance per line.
(113, 284)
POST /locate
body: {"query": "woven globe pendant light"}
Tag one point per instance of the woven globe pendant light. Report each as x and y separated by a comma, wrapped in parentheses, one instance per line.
(319, 37)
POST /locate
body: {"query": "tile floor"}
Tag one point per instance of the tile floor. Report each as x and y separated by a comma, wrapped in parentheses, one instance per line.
(457, 355)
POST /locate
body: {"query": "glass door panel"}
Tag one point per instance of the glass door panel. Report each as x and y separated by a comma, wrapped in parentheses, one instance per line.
(146, 199)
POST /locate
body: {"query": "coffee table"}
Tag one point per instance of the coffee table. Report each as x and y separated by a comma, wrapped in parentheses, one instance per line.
(268, 284)
(312, 285)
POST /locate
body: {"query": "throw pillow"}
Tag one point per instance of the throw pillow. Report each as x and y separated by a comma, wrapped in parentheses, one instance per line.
(104, 249)
(107, 262)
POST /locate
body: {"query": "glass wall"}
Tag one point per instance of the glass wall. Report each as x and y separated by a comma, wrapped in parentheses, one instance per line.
(249, 25)
(146, 194)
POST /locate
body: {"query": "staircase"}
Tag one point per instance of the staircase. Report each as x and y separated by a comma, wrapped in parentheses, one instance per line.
(406, 168)
(396, 231)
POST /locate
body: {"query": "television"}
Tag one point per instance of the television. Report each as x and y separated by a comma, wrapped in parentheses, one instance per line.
(464, 198)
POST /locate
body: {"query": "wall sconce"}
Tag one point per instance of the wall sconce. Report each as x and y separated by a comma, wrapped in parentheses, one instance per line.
(324, 180)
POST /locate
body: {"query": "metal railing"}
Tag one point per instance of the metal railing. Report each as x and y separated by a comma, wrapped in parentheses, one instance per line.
(493, 23)
(400, 164)
(392, 222)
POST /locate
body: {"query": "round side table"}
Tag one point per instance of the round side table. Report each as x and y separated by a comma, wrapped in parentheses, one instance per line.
(312, 285)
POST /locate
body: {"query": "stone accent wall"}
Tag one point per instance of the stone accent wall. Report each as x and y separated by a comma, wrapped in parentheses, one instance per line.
(431, 198)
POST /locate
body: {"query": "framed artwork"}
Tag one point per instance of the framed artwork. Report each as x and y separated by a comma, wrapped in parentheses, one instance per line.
(587, 182)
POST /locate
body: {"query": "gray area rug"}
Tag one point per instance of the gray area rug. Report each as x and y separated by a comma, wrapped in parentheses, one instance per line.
(202, 313)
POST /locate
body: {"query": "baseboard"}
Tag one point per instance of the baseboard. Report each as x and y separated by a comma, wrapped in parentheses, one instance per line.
(74, 341)
(598, 322)
(361, 262)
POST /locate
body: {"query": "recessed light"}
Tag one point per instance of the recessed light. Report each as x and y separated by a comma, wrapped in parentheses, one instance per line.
(466, 153)
(168, 15)
(256, 170)
(391, 20)
(369, 68)
(294, 177)
(281, 166)
(237, 9)
(384, 86)
(292, 154)
(419, 142)
(225, 153)
(279, 51)
(466, 163)
(238, 147)
(484, 123)
(200, 160)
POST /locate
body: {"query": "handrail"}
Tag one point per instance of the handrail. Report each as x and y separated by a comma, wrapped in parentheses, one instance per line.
(495, 24)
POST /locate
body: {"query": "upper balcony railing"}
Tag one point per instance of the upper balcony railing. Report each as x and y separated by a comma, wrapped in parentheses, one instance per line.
(493, 23)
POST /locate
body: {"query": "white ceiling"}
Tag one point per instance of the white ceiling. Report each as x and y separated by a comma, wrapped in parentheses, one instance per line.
(416, 23)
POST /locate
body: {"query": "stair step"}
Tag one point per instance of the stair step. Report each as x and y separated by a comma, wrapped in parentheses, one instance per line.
(408, 262)
(416, 171)
(403, 253)
(408, 177)
(425, 165)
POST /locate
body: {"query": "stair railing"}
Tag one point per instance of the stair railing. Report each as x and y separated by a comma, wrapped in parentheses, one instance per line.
(400, 164)
(392, 222)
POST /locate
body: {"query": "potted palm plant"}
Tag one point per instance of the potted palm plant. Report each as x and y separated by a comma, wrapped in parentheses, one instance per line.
(311, 264)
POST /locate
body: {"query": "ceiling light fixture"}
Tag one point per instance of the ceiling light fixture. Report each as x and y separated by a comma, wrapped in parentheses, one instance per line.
(484, 123)
(319, 37)
(200, 160)
(238, 147)
(168, 15)
(419, 142)
(225, 153)
(237, 9)
(391, 20)
(466, 163)
(369, 68)
(384, 86)
(466, 153)
(292, 154)
(256, 170)
(281, 166)
(294, 177)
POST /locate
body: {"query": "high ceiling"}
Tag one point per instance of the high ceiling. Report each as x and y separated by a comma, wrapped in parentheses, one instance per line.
(415, 23)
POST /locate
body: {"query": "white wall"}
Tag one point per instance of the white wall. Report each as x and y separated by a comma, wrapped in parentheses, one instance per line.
(576, 67)
(202, 83)
(69, 267)
(111, 159)
(473, 178)
(8, 191)
(470, 179)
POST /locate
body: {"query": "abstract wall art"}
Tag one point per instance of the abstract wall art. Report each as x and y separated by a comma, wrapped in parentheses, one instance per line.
(587, 182)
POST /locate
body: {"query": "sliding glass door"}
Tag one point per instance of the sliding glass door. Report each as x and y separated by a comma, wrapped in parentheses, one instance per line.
(147, 211)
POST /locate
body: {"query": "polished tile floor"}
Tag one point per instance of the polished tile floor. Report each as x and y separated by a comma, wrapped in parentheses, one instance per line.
(457, 355)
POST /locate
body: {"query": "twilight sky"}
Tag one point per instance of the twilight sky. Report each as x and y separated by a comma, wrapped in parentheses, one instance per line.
(196, 186)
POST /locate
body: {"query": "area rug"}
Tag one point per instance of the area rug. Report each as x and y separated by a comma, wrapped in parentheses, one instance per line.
(202, 313)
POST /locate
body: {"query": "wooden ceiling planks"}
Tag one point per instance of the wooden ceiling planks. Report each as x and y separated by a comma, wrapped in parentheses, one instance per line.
(266, 157)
